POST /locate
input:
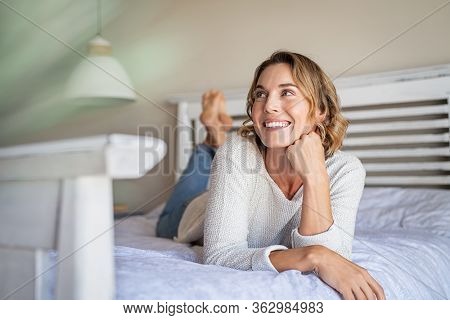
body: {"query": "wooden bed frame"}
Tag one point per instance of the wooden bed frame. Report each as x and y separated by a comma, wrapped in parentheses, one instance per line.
(57, 196)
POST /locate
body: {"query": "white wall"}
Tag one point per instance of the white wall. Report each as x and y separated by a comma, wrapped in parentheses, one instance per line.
(183, 46)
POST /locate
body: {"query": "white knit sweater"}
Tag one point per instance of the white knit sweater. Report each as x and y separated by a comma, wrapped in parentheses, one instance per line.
(248, 216)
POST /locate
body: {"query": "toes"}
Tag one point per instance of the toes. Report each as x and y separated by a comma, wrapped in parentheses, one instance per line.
(214, 110)
(207, 95)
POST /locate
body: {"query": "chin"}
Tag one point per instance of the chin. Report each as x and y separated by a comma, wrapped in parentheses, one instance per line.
(281, 139)
(276, 143)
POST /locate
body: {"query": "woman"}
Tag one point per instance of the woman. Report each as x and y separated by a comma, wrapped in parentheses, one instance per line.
(282, 196)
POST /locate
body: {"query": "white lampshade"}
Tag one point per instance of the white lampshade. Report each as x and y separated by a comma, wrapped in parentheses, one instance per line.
(100, 79)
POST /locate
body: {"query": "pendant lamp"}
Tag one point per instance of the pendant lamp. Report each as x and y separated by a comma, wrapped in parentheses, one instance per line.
(100, 79)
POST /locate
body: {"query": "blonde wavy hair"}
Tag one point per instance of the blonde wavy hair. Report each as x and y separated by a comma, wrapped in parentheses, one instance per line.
(317, 88)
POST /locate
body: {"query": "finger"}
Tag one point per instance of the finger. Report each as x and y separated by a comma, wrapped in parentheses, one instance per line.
(307, 130)
(218, 96)
(376, 288)
(289, 150)
(302, 136)
(379, 292)
(370, 295)
(206, 95)
(293, 144)
(348, 295)
(359, 294)
(314, 136)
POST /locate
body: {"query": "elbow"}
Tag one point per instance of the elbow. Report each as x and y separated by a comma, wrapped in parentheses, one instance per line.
(210, 258)
(214, 257)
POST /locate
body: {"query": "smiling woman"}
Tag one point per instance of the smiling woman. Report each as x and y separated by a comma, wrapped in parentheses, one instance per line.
(287, 162)
(280, 110)
(306, 84)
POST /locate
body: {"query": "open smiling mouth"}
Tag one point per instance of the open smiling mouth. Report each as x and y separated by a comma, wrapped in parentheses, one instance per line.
(276, 124)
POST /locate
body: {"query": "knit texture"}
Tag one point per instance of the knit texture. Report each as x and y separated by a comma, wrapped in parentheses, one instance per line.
(248, 216)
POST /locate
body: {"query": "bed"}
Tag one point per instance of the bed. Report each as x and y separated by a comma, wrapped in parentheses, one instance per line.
(399, 129)
(404, 243)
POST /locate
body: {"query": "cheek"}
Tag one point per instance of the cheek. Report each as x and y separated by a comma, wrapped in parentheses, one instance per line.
(255, 115)
(303, 123)
(300, 118)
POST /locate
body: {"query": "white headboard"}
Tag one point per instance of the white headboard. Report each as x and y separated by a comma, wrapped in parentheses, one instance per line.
(399, 124)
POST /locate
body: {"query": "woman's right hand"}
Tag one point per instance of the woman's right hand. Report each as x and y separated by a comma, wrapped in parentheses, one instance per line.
(349, 279)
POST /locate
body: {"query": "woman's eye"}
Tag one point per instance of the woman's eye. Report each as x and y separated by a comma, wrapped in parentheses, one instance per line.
(259, 95)
(287, 93)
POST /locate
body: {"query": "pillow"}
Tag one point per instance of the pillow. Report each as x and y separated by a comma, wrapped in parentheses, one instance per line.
(191, 225)
(426, 210)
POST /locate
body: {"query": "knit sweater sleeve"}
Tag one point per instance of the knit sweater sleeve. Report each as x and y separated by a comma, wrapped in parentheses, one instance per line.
(347, 177)
(226, 222)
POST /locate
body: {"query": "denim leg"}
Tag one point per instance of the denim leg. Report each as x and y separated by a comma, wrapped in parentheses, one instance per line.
(192, 183)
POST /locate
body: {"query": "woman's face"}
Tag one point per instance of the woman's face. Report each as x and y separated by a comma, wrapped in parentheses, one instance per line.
(280, 110)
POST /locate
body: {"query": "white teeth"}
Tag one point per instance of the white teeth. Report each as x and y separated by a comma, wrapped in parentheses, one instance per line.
(276, 124)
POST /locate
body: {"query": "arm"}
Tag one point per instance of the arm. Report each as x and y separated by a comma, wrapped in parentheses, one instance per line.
(316, 207)
(307, 158)
(324, 236)
(350, 280)
(329, 209)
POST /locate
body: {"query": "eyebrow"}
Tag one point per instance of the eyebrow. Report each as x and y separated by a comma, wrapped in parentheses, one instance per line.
(283, 85)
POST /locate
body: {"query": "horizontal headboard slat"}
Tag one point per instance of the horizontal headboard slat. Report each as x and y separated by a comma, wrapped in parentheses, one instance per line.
(401, 90)
(399, 126)
(402, 153)
(411, 180)
(407, 166)
(396, 140)
(396, 112)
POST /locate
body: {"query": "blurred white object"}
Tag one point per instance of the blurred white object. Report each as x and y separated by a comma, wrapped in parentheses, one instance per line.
(58, 196)
(119, 156)
(100, 79)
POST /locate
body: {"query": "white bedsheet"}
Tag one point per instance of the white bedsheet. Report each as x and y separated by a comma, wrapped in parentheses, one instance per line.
(402, 238)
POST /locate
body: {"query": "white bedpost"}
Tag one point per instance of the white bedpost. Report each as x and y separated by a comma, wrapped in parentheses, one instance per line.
(184, 138)
(85, 246)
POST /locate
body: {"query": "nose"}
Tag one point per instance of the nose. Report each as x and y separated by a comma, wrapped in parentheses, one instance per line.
(272, 105)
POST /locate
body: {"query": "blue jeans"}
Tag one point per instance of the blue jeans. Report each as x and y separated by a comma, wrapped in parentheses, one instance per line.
(192, 183)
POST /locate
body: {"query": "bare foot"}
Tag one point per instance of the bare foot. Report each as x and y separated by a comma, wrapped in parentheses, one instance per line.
(214, 117)
(210, 109)
(226, 120)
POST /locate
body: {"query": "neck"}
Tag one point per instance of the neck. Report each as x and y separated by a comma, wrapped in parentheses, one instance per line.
(280, 169)
(277, 163)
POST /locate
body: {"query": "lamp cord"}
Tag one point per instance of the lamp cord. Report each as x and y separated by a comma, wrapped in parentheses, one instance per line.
(99, 17)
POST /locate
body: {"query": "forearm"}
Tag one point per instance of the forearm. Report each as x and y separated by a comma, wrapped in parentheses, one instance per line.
(316, 208)
(302, 259)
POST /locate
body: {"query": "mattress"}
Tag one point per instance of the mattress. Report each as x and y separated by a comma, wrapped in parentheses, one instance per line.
(402, 238)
